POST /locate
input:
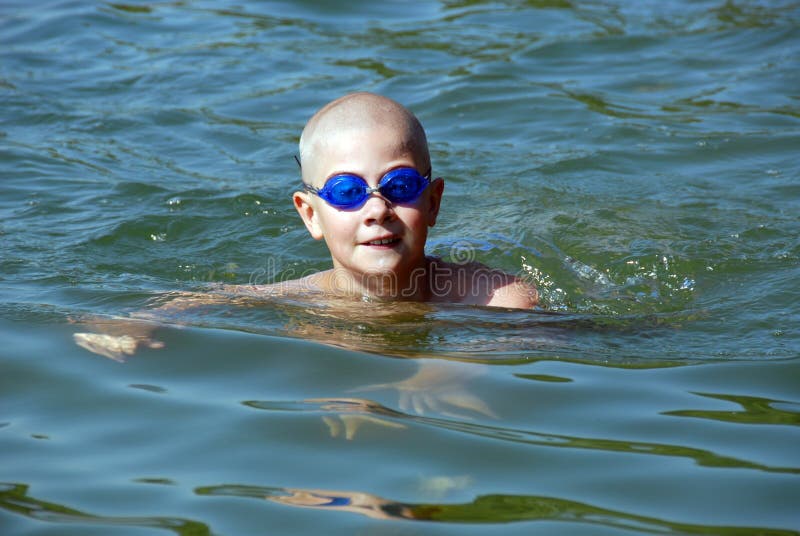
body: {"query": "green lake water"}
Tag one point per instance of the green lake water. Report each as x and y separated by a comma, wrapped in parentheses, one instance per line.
(637, 161)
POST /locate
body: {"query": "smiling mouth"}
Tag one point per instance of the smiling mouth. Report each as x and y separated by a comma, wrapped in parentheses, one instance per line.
(382, 242)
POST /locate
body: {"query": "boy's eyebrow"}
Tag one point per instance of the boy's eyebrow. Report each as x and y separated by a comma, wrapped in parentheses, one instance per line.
(298, 161)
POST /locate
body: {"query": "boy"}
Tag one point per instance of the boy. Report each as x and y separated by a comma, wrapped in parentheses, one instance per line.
(368, 193)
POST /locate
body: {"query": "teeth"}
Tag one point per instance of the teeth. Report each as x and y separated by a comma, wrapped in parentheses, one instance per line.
(381, 242)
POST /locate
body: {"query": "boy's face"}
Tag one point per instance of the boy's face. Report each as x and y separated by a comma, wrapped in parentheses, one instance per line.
(352, 235)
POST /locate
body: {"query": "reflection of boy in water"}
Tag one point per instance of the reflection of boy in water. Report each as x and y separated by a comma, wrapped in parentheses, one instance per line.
(369, 194)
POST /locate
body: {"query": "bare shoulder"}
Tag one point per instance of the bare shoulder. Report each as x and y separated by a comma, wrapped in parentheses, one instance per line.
(515, 294)
(477, 284)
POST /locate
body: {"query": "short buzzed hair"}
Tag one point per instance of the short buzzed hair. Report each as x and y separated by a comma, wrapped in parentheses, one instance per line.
(358, 110)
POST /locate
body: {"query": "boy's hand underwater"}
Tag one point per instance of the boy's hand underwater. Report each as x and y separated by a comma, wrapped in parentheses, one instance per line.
(116, 338)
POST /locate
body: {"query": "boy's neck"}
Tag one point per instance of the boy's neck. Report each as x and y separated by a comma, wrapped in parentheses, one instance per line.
(415, 286)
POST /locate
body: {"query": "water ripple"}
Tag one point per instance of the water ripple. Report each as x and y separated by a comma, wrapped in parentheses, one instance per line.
(355, 412)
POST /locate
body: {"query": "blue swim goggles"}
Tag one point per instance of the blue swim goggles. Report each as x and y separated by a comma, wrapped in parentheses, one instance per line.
(348, 191)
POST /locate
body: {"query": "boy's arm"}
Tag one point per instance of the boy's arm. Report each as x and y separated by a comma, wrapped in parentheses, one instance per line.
(439, 387)
(118, 337)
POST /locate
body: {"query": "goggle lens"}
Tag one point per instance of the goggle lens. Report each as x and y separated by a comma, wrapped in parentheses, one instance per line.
(344, 191)
(347, 191)
(402, 185)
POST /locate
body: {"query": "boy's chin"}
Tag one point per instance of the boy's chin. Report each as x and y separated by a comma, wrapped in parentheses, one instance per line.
(397, 263)
(386, 266)
(381, 269)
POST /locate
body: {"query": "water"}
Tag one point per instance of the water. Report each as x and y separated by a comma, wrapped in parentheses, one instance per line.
(636, 160)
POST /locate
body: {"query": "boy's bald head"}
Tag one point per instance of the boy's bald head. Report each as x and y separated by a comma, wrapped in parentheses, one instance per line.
(359, 112)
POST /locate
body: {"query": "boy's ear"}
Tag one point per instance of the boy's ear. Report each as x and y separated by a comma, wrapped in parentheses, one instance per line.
(302, 202)
(435, 200)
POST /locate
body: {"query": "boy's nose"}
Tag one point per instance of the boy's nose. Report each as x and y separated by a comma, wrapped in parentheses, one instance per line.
(377, 208)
